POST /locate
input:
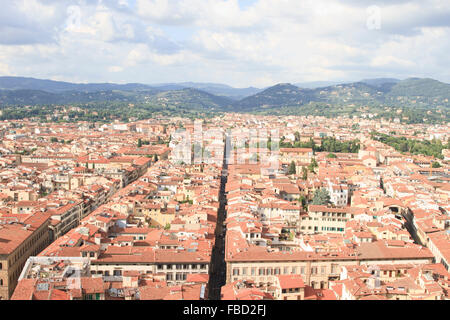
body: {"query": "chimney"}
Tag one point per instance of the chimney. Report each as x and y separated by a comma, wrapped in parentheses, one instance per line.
(98, 239)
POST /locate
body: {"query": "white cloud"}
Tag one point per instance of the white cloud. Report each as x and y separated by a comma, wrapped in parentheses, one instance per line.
(4, 69)
(115, 69)
(262, 43)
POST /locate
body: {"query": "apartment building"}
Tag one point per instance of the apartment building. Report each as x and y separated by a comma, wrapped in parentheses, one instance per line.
(65, 218)
(18, 241)
(323, 219)
(316, 268)
(174, 265)
(303, 155)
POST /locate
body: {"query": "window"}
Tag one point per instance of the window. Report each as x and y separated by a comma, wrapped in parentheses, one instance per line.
(333, 268)
(1, 266)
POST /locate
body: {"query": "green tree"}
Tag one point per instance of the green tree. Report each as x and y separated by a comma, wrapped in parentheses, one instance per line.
(313, 165)
(292, 168)
(304, 173)
(436, 165)
(321, 197)
(139, 143)
(303, 201)
(331, 156)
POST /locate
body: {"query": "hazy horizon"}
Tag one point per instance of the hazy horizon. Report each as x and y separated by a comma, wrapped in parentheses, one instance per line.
(311, 83)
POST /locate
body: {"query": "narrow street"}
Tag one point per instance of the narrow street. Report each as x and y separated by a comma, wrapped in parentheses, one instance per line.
(217, 275)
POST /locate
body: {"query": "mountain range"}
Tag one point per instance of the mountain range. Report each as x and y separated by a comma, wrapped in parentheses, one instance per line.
(50, 86)
(410, 93)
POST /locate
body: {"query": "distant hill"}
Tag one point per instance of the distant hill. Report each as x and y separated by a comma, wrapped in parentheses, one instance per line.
(317, 84)
(424, 93)
(190, 98)
(21, 83)
(284, 94)
(425, 88)
(382, 96)
(212, 88)
(378, 82)
(39, 97)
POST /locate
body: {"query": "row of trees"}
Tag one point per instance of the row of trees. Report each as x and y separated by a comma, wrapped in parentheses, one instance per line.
(413, 146)
(328, 144)
(101, 111)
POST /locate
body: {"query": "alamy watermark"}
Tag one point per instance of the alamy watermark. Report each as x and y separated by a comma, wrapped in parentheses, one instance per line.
(234, 146)
(374, 18)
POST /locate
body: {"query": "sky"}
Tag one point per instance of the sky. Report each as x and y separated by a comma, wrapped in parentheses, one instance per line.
(236, 42)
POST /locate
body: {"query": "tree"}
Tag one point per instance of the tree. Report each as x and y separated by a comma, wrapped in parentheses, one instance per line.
(297, 136)
(53, 139)
(167, 227)
(331, 156)
(139, 143)
(291, 236)
(313, 165)
(302, 201)
(436, 165)
(292, 168)
(304, 173)
(321, 197)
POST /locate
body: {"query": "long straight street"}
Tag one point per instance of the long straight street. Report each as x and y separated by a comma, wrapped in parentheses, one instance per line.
(217, 276)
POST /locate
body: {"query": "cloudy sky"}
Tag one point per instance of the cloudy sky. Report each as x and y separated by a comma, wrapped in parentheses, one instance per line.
(236, 42)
